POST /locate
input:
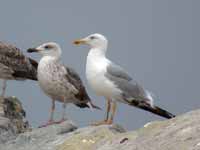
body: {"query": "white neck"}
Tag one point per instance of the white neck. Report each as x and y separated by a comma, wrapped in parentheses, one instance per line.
(96, 60)
(52, 55)
(96, 52)
(95, 69)
(49, 58)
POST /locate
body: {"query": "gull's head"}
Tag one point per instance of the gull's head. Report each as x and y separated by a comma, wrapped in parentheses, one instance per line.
(47, 49)
(97, 41)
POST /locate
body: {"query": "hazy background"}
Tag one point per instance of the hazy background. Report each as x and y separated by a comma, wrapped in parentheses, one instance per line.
(157, 41)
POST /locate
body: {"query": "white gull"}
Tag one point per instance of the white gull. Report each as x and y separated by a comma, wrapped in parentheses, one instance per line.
(111, 81)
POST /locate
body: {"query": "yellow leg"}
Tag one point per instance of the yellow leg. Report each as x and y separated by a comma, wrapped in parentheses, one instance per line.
(107, 114)
(108, 109)
(113, 111)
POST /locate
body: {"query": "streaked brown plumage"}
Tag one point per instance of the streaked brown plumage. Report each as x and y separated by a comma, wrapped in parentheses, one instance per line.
(59, 82)
(14, 65)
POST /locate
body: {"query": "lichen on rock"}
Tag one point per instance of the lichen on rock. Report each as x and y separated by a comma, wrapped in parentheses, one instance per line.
(14, 111)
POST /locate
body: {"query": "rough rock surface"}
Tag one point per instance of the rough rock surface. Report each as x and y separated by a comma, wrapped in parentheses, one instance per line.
(12, 119)
(180, 133)
(41, 139)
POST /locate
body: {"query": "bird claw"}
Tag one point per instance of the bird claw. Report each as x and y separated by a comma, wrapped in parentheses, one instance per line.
(52, 122)
(47, 124)
(61, 121)
(104, 122)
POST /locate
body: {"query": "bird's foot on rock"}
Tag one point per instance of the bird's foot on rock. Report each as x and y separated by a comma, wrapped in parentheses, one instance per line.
(51, 122)
(61, 121)
(104, 122)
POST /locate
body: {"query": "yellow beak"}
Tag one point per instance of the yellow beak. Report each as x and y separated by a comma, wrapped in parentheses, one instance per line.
(81, 41)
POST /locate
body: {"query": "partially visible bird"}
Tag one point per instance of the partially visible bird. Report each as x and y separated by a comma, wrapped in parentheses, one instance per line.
(59, 82)
(111, 81)
(14, 65)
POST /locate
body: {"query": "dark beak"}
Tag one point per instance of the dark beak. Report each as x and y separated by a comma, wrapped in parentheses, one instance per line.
(31, 50)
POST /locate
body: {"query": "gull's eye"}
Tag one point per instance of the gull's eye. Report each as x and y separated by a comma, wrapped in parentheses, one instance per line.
(47, 47)
(92, 37)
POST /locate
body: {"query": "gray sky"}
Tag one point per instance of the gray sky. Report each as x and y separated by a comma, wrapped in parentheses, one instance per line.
(156, 41)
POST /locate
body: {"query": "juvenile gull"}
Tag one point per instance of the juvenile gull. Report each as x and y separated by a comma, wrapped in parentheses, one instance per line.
(14, 65)
(59, 82)
(111, 81)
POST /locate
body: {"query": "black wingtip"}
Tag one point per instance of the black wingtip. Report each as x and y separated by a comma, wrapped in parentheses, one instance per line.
(95, 106)
(88, 105)
(163, 113)
(155, 109)
(82, 105)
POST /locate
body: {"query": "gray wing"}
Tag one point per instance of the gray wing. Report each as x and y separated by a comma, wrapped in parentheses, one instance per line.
(131, 90)
(21, 66)
(118, 72)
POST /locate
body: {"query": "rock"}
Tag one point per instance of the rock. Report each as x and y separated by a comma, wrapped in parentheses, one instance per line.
(180, 133)
(87, 138)
(14, 111)
(7, 131)
(12, 119)
(41, 138)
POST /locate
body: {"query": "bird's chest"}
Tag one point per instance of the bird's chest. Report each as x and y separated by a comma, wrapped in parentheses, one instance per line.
(45, 72)
(95, 73)
(48, 77)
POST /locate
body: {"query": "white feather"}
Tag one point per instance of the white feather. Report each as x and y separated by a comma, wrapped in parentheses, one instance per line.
(150, 97)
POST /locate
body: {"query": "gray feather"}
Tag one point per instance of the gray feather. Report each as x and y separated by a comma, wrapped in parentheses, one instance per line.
(130, 90)
(118, 72)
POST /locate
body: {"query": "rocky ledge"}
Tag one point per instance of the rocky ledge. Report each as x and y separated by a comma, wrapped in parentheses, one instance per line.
(180, 133)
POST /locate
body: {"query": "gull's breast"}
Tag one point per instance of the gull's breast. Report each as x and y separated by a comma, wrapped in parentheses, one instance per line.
(49, 77)
(95, 73)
